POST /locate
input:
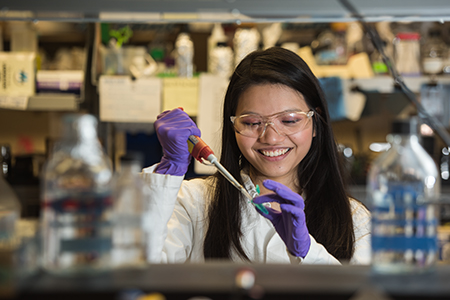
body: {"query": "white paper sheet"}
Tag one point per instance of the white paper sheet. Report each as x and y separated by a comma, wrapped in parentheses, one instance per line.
(181, 92)
(126, 100)
(212, 91)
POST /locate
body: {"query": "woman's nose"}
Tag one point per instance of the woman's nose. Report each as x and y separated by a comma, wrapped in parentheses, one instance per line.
(271, 134)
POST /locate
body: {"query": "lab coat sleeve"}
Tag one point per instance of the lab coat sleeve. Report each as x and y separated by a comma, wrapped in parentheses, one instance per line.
(317, 253)
(163, 195)
(362, 227)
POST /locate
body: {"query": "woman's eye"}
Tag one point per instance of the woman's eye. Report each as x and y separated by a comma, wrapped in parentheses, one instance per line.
(251, 122)
(292, 121)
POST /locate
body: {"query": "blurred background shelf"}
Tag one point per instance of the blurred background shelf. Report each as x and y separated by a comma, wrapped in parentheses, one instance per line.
(47, 102)
(180, 11)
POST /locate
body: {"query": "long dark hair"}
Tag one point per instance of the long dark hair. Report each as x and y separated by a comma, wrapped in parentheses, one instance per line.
(327, 206)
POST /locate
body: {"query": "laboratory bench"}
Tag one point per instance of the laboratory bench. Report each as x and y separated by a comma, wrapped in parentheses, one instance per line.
(220, 280)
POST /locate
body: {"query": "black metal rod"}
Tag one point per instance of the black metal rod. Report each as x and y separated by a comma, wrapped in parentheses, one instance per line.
(376, 40)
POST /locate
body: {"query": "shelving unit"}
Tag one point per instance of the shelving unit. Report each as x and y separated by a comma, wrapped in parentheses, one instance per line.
(182, 281)
(44, 102)
(385, 84)
(49, 102)
(181, 11)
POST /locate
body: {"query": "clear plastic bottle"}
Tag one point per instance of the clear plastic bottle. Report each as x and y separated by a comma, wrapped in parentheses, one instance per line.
(221, 60)
(131, 206)
(403, 187)
(185, 55)
(76, 201)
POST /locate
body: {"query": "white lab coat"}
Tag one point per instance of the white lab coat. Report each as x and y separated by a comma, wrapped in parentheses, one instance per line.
(177, 225)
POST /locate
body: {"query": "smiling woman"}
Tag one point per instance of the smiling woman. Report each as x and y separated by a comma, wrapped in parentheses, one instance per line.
(274, 154)
(276, 135)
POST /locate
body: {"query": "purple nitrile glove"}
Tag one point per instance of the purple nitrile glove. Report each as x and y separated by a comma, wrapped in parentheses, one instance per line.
(173, 128)
(290, 223)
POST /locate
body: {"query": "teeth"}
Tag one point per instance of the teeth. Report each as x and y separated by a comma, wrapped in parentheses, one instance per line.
(274, 153)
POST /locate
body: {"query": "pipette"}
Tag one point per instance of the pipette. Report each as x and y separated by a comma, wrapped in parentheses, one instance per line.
(201, 151)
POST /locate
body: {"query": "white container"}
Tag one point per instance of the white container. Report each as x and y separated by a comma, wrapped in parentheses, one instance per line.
(407, 53)
(184, 60)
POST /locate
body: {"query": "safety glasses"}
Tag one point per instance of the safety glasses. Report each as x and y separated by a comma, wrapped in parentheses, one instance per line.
(284, 123)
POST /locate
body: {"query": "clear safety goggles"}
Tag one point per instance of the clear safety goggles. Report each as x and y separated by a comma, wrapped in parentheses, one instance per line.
(284, 123)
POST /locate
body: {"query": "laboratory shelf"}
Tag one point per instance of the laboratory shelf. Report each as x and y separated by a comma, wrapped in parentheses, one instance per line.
(222, 280)
(42, 102)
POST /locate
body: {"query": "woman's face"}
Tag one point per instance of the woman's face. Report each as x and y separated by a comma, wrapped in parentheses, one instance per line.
(274, 156)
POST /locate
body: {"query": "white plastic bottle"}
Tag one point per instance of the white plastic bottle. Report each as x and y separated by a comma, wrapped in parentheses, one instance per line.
(221, 60)
(403, 187)
(76, 201)
(184, 55)
(131, 206)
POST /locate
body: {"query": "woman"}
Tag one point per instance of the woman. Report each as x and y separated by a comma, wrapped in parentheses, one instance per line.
(277, 135)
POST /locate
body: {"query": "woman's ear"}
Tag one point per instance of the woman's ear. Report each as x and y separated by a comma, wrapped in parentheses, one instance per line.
(318, 110)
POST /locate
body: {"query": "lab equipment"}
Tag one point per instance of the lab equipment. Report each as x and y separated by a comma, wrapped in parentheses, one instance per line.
(184, 55)
(202, 152)
(131, 210)
(284, 123)
(77, 208)
(434, 53)
(403, 187)
(407, 53)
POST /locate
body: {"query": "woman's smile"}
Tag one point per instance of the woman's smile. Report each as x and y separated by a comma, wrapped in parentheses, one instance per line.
(274, 153)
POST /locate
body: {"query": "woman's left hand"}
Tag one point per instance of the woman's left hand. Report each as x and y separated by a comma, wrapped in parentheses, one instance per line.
(290, 223)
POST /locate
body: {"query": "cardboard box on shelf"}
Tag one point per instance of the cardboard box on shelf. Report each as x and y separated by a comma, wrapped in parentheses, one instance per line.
(17, 73)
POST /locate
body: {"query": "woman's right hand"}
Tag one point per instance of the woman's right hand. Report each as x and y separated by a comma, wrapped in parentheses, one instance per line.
(173, 128)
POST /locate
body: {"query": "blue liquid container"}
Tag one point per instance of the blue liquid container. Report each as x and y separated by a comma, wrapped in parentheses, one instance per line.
(403, 189)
